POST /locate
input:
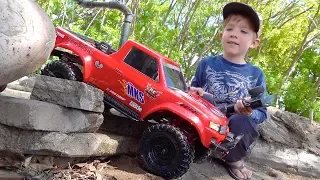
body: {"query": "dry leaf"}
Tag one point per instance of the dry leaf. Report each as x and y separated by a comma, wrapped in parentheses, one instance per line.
(101, 166)
(79, 165)
(91, 167)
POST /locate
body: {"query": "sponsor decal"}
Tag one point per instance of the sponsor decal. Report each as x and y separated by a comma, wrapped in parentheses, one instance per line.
(117, 95)
(132, 91)
(98, 64)
(135, 106)
(152, 92)
(81, 45)
(60, 34)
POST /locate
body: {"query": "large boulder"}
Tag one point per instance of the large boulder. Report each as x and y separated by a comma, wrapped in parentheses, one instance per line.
(291, 160)
(289, 143)
(37, 115)
(66, 145)
(27, 37)
(72, 94)
(290, 130)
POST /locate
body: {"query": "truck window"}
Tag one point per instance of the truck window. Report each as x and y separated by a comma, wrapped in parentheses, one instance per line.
(143, 63)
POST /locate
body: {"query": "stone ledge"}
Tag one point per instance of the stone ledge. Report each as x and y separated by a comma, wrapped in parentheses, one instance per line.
(38, 115)
(72, 94)
(65, 145)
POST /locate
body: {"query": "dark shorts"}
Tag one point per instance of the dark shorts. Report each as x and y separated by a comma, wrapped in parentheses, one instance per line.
(241, 124)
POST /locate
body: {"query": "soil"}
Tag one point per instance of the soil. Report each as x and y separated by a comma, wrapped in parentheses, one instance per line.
(127, 168)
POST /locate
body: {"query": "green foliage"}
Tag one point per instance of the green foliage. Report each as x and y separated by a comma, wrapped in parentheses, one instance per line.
(186, 31)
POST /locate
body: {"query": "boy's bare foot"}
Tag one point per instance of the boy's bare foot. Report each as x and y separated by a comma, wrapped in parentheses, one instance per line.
(238, 170)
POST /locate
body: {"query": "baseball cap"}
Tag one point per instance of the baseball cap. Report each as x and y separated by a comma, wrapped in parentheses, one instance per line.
(243, 9)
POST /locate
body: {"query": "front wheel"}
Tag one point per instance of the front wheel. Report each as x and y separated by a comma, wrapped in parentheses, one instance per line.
(164, 151)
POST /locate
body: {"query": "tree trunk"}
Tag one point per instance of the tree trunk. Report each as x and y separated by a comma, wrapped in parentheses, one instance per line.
(172, 4)
(188, 18)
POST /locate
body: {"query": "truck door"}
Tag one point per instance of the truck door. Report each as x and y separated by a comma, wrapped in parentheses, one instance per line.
(139, 79)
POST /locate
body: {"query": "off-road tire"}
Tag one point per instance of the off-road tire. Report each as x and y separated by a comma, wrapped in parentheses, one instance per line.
(63, 70)
(201, 153)
(2, 88)
(165, 151)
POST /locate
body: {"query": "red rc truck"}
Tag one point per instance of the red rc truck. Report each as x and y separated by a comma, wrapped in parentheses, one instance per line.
(144, 85)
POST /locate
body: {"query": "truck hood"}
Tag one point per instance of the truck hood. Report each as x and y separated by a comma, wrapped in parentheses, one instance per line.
(204, 109)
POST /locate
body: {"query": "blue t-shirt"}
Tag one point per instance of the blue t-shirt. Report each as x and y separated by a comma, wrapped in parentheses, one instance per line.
(229, 82)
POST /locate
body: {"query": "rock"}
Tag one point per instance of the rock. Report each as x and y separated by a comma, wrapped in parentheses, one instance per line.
(38, 115)
(5, 174)
(65, 145)
(290, 130)
(27, 81)
(292, 144)
(15, 93)
(68, 93)
(19, 87)
(291, 160)
(27, 37)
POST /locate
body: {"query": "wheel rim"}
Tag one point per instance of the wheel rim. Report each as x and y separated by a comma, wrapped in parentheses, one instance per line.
(162, 150)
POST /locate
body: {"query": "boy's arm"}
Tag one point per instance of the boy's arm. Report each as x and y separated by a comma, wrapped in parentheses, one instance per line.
(259, 115)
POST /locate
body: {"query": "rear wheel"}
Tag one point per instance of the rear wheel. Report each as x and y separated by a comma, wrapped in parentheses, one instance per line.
(165, 151)
(63, 70)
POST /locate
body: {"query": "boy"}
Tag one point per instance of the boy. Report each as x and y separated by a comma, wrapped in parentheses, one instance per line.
(228, 78)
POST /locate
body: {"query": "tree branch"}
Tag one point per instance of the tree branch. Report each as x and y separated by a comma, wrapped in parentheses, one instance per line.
(293, 17)
(287, 8)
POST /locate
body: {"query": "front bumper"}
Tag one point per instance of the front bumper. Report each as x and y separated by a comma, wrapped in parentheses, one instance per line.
(223, 148)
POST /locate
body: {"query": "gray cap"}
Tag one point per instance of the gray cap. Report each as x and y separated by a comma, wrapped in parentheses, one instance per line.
(243, 9)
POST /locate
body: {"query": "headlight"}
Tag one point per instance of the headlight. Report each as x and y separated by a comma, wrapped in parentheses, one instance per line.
(214, 126)
(217, 127)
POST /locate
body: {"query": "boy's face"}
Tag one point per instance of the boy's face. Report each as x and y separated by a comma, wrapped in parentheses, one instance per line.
(238, 36)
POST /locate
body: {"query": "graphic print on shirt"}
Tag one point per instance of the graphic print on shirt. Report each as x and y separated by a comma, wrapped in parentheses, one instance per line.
(228, 85)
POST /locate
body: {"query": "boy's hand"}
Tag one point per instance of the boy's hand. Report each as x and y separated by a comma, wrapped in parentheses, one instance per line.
(240, 108)
(198, 90)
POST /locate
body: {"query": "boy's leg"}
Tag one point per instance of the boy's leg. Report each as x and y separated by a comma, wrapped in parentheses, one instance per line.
(241, 124)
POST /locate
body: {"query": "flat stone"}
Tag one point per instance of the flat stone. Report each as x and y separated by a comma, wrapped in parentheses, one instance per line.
(38, 115)
(72, 94)
(18, 87)
(10, 175)
(15, 93)
(27, 37)
(65, 145)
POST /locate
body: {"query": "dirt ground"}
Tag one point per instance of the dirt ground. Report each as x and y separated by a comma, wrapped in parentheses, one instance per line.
(127, 168)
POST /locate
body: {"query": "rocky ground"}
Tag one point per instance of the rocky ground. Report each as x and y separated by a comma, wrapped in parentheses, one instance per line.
(288, 142)
(126, 167)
